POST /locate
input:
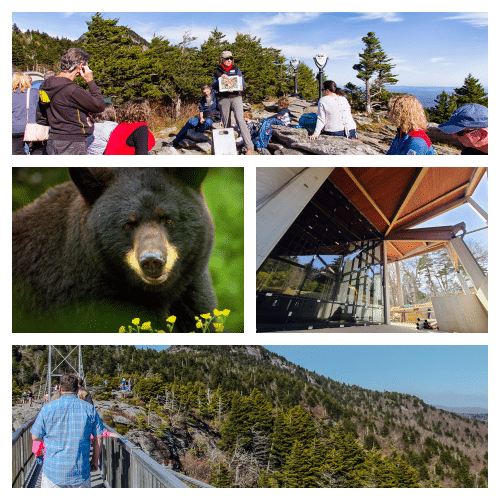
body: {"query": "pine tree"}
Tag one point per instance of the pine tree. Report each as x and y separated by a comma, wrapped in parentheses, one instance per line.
(445, 105)
(220, 476)
(471, 92)
(374, 61)
(114, 60)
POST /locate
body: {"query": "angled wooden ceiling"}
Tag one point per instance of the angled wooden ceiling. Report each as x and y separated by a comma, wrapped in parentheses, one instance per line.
(395, 199)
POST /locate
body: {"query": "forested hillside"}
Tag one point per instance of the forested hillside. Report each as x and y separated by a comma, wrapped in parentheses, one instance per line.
(269, 423)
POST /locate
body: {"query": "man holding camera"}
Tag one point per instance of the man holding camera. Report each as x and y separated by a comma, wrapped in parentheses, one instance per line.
(65, 106)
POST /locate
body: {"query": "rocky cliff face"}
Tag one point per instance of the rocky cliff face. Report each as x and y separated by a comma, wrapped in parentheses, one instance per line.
(374, 137)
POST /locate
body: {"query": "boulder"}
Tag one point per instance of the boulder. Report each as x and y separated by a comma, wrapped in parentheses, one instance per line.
(325, 145)
(118, 419)
(435, 135)
(197, 136)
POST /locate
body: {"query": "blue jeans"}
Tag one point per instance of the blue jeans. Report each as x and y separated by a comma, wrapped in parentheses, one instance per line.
(274, 121)
(193, 123)
(341, 133)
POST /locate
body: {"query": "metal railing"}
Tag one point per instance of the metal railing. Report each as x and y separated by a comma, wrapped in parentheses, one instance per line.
(23, 459)
(123, 465)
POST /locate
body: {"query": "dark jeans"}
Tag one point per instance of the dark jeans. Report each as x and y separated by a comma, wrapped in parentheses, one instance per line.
(341, 133)
(193, 123)
(55, 147)
(18, 144)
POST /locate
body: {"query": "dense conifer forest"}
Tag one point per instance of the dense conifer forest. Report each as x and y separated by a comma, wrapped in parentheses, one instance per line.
(271, 423)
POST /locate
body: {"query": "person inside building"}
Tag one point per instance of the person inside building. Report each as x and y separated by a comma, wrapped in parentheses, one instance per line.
(406, 112)
(469, 124)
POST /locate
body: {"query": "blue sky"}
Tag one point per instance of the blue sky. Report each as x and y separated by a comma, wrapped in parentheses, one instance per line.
(444, 375)
(428, 48)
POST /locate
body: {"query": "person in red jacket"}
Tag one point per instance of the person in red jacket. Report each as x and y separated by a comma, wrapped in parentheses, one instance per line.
(131, 136)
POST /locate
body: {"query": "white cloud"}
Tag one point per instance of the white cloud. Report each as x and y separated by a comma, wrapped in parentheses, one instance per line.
(339, 49)
(437, 59)
(389, 17)
(476, 19)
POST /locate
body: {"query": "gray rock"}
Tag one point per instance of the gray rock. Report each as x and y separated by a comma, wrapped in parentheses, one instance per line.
(205, 147)
(197, 136)
(118, 419)
(167, 131)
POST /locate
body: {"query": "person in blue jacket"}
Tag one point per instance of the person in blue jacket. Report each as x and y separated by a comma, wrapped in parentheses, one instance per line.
(406, 112)
(209, 112)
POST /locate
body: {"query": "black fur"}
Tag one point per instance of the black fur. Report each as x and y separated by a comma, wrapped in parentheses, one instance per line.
(69, 251)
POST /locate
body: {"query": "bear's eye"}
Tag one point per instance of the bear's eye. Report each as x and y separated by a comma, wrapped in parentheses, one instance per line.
(131, 223)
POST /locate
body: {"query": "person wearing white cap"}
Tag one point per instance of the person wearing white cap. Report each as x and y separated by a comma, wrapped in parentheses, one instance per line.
(231, 100)
(469, 124)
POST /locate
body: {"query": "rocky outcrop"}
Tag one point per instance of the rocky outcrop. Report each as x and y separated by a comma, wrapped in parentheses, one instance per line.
(374, 137)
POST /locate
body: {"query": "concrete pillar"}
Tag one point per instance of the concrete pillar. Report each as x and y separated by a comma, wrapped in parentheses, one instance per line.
(399, 285)
(458, 274)
(468, 262)
(387, 306)
(278, 213)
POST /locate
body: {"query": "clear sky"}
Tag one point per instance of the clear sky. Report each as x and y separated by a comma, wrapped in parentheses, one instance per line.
(444, 375)
(428, 48)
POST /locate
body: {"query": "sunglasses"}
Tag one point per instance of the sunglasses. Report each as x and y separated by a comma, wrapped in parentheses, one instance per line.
(463, 132)
(228, 59)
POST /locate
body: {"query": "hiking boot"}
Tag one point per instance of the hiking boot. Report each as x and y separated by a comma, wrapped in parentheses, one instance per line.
(249, 152)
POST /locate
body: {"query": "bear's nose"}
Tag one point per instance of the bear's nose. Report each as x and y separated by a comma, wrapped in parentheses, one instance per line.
(152, 264)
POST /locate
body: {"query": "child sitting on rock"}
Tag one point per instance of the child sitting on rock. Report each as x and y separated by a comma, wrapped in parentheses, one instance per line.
(283, 116)
(252, 128)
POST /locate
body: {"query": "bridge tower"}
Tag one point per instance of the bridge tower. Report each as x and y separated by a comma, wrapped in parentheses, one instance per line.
(52, 371)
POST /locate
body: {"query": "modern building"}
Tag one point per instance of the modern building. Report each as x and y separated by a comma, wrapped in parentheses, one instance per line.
(326, 236)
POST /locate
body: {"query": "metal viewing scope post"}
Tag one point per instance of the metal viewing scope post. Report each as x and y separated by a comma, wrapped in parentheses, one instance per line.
(294, 63)
(320, 59)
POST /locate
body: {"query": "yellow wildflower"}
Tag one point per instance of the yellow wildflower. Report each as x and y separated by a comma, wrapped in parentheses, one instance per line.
(205, 316)
(136, 321)
(219, 327)
(226, 312)
(217, 312)
(172, 319)
(122, 329)
(161, 331)
(146, 326)
(199, 324)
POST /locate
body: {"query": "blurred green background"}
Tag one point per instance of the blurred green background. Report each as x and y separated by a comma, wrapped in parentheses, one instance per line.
(223, 190)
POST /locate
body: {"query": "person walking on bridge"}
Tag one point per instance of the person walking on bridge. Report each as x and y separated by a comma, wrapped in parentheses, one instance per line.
(65, 426)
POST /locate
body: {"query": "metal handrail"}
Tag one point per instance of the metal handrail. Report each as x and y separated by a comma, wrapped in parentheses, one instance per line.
(123, 464)
(23, 459)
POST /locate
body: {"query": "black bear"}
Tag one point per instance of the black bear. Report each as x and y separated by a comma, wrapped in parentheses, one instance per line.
(112, 245)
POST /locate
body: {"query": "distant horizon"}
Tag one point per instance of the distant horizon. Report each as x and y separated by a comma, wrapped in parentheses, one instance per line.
(428, 48)
(450, 376)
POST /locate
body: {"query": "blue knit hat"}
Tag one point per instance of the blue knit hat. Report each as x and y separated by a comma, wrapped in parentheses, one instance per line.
(467, 116)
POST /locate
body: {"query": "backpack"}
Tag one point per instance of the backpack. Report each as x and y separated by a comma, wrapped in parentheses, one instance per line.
(263, 136)
(308, 121)
(423, 135)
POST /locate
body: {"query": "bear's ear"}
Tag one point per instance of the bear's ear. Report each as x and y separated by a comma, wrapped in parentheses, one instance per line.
(91, 182)
(191, 176)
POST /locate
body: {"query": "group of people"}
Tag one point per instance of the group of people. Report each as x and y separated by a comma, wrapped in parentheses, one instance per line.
(63, 433)
(80, 122)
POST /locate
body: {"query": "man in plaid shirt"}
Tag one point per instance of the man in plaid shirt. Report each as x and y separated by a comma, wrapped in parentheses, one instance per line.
(65, 426)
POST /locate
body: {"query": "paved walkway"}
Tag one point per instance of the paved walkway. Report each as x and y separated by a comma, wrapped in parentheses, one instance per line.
(392, 328)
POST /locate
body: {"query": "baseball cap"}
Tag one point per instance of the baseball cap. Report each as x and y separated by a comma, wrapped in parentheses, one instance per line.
(226, 54)
(467, 116)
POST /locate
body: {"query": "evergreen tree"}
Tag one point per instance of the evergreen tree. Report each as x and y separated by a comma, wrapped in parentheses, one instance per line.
(445, 105)
(471, 92)
(115, 61)
(220, 476)
(374, 62)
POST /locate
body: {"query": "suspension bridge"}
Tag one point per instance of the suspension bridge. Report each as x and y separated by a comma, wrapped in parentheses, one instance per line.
(122, 464)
